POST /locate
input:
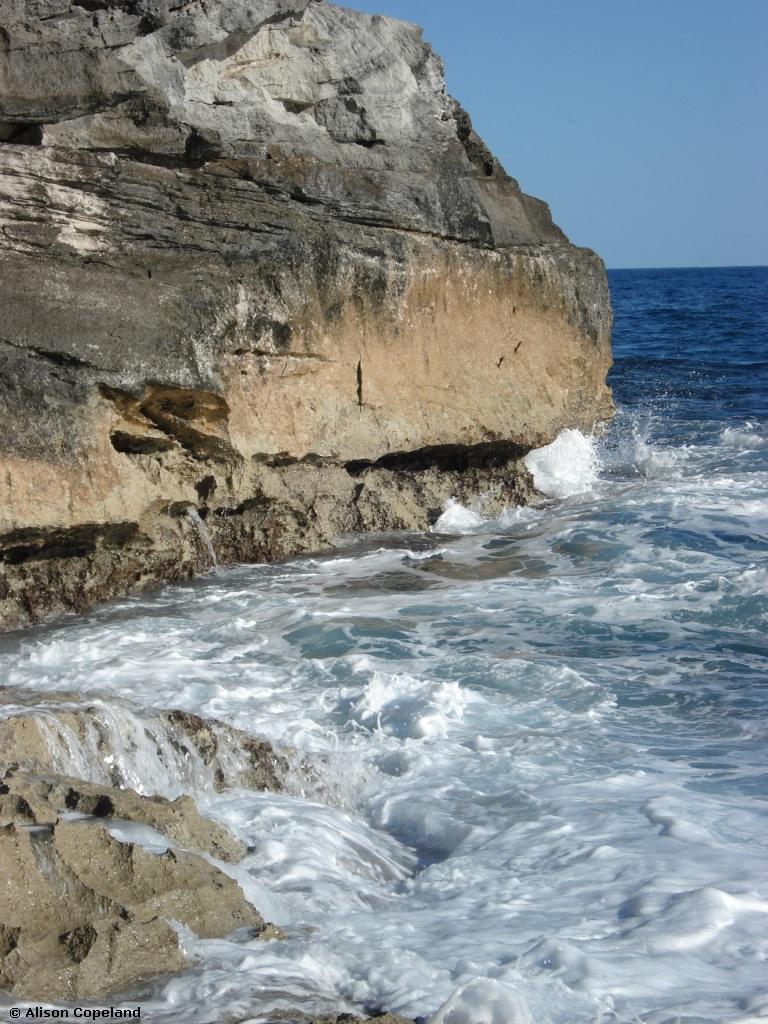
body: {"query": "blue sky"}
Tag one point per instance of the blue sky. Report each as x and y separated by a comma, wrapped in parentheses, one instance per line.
(643, 123)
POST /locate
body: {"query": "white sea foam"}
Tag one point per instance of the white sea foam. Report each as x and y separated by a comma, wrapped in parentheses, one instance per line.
(404, 706)
(538, 747)
(457, 519)
(566, 467)
(745, 437)
(483, 1001)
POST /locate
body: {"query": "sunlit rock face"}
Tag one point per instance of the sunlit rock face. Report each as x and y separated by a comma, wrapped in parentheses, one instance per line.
(256, 262)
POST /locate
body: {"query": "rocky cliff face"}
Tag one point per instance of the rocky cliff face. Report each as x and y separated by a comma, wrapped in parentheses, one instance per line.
(255, 264)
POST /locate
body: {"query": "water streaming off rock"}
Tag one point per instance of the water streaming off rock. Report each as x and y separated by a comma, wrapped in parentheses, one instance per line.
(538, 784)
(202, 532)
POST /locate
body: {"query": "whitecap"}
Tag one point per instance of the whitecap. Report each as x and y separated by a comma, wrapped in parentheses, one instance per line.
(408, 708)
(744, 438)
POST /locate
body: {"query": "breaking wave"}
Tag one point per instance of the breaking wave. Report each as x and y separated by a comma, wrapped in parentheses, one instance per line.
(536, 742)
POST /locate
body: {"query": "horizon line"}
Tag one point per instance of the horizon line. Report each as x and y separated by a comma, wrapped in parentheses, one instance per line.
(700, 266)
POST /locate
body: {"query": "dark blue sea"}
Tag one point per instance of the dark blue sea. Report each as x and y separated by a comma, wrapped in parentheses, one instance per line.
(692, 344)
(539, 782)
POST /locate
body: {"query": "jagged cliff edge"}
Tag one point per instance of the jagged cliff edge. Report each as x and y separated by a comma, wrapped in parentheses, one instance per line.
(255, 262)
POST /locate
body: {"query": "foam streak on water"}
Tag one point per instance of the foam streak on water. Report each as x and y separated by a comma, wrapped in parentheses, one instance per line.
(542, 797)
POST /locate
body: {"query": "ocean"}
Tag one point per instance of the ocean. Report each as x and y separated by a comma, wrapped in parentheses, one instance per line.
(539, 793)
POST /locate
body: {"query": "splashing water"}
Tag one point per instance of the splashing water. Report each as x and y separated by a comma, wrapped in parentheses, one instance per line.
(566, 467)
(457, 519)
(540, 740)
(483, 1000)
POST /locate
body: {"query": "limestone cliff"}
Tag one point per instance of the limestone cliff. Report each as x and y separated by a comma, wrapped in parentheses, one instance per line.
(254, 261)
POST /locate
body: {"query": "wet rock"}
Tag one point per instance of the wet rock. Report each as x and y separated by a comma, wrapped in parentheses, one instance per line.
(257, 262)
(106, 741)
(175, 885)
(236, 758)
(41, 800)
(84, 914)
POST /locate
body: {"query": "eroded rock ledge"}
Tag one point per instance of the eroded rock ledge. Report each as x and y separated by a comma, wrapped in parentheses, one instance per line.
(99, 879)
(83, 913)
(84, 910)
(255, 262)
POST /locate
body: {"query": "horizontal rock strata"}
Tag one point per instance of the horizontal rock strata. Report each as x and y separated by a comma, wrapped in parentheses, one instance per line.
(255, 263)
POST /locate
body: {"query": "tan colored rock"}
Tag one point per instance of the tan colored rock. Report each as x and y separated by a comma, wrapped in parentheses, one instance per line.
(84, 914)
(123, 954)
(44, 799)
(53, 923)
(175, 885)
(91, 961)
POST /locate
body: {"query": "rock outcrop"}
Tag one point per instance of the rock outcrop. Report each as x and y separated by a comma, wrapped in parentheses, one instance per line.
(255, 263)
(97, 877)
(83, 912)
(85, 909)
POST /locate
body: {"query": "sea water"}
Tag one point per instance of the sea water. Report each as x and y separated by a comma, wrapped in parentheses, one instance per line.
(541, 785)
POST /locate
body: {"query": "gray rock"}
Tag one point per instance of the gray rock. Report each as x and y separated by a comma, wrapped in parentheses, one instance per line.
(342, 109)
(255, 261)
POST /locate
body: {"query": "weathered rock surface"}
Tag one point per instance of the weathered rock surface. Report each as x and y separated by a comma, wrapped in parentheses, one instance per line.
(83, 914)
(40, 799)
(255, 262)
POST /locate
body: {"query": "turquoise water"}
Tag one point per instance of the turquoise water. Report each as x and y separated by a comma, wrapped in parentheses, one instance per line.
(541, 738)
